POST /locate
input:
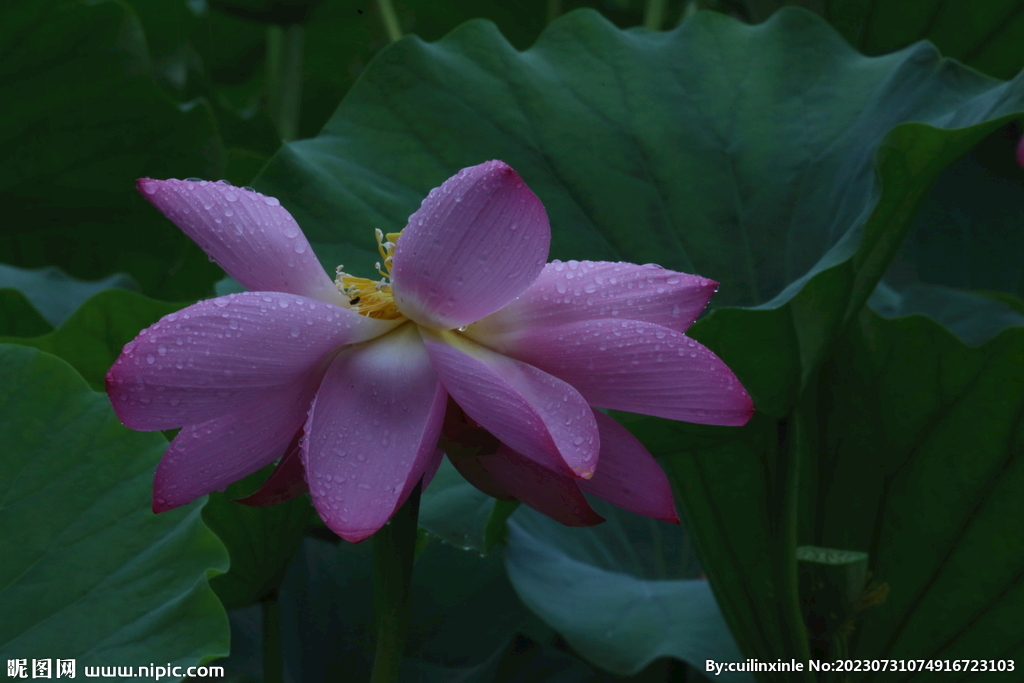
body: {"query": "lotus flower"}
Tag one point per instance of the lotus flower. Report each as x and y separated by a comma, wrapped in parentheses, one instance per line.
(350, 381)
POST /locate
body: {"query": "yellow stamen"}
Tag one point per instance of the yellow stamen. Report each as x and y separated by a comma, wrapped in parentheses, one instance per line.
(373, 298)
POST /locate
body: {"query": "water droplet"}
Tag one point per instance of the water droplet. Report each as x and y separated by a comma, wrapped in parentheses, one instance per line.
(150, 358)
(231, 197)
(300, 247)
(162, 350)
(271, 201)
(577, 441)
(283, 303)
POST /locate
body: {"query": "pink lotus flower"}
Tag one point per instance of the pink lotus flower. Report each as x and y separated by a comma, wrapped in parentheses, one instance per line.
(353, 378)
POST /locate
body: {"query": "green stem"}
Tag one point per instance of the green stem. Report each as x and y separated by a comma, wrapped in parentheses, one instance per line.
(793, 462)
(394, 552)
(273, 664)
(654, 14)
(284, 78)
(390, 19)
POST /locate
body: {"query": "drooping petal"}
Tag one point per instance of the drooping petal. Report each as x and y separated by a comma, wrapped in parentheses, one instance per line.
(210, 358)
(532, 412)
(629, 476)
(575, 291)
(287, 481)
(475, 244)
(639, 367)
(208, 456)
(251, 236)
(556, 495)
(1020, 152)
(372, 432)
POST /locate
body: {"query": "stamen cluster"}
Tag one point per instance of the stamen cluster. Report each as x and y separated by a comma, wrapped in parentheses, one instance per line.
(373, 298)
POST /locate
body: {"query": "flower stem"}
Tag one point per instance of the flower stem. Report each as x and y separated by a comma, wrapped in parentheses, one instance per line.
(394, 552)
(273, 664)
(284, 78)
(654, 14)
(389, 19)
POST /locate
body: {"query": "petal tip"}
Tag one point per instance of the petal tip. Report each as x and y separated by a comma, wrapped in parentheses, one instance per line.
(162, 505)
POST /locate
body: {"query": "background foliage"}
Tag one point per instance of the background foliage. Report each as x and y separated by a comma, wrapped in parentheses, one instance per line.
(862, 215)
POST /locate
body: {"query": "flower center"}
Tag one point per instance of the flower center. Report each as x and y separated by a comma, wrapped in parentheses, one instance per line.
(373, 298)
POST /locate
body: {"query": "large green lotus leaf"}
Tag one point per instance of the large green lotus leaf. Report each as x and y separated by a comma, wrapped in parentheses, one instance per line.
(986, 35)
(922, 467)
(623, 593)
(260, 540)
(89, 572)
(18, 317)
(752, 165)
(92, 338)
(83, 118)
(56, 295)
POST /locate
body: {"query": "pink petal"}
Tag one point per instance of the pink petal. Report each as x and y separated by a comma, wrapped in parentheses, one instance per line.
(629, 476)
(536, 414)
(287, 481)
(1020, 152)
(588, 290)
(639, 367)
(252, 237)
(207, 457)
(555, 495)
(209, 359)
(473, 246)
(372, 432)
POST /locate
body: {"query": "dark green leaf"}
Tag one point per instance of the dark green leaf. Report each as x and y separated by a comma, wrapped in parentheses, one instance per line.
(54, 294)
(972, 317)
(922, 467)
(985, 35)
(92, 338)
(89, 572)
(623, 593)
(260, 540)
(18, 317)
(83, 120)
(461, 515)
